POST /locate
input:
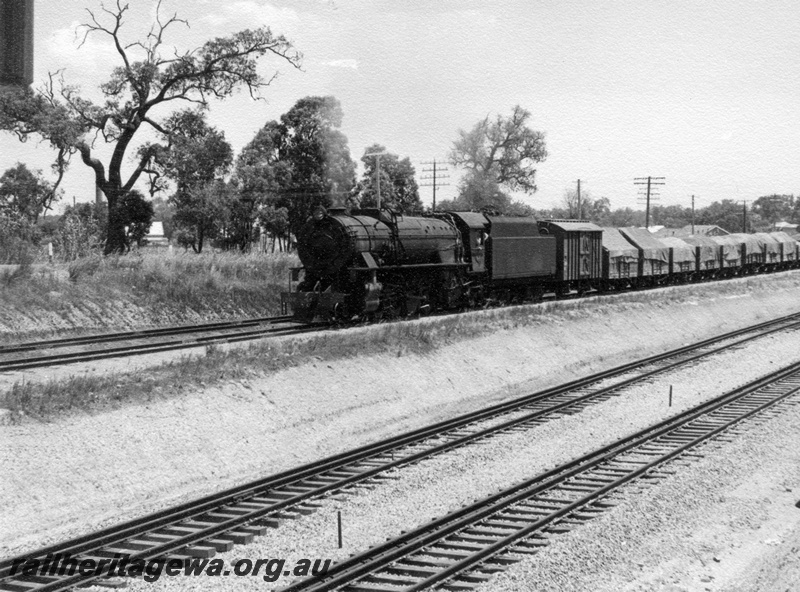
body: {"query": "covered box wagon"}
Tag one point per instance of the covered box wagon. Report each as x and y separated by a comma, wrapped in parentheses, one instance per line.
(684, 255)
(653, 255)
(620, 258)
(707, 251)
(579, 251)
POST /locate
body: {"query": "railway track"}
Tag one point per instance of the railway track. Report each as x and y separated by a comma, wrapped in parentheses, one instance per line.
(214, 523)
(463, 549)
(52, 352)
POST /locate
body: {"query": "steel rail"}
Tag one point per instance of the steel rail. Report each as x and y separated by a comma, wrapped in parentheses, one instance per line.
(134, 334)
(138, 349)
(418, 559)
(294, 488)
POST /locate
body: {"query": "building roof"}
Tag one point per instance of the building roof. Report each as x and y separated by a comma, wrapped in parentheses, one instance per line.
(699, 229)
(706, 229)
(156, 230)
(155, 235)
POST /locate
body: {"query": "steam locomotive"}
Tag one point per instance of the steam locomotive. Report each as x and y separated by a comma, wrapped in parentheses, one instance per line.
(374, 264)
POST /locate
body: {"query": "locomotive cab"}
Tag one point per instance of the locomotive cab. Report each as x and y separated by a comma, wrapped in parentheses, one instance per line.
(474, 229)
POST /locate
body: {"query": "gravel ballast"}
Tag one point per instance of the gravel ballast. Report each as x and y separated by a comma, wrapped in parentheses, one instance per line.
(443, 484)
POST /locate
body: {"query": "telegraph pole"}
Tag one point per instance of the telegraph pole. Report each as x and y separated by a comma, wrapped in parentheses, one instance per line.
(650, 182)
(579, 199)
(377, 156)
(744, 215)
(693, 214)
(434, 178)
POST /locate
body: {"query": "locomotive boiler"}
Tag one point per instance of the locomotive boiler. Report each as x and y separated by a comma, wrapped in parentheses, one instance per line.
(376, 263)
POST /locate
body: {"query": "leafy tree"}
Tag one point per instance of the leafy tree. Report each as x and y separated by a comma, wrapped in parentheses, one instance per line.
(477, 192)
(482, 192)
(148, 78)
(727, 214)
(625, 217)
(238, 216)
(775, 208)
(201, 213)
(137, 214)
(275, 222)
(300, 162)
(518, 208)
(673, 216)
(502, 151)
(261, 178)
(193, 153)
(195, 157)
(321, 167)
(399, 189)
(25, 192)
(595, 210)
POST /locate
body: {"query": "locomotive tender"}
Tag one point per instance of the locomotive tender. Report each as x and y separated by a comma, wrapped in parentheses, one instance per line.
(377, 264)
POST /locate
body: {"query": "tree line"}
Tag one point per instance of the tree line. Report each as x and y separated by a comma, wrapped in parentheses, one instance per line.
(206, 194)
(731, 215)
(291, 166)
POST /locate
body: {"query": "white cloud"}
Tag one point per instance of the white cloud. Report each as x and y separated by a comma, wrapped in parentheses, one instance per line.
(82, 63)
(249, 13)
(353, 64)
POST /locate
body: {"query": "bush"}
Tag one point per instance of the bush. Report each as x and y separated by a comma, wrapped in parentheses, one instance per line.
(85, 267)
(18, 241)
(78, 237)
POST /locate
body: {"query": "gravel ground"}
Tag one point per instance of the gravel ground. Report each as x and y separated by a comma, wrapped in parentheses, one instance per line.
(435, 487)
(726, 523)
(79, 472)
(83, 471)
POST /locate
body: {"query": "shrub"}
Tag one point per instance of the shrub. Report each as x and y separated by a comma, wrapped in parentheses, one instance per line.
(18, 240)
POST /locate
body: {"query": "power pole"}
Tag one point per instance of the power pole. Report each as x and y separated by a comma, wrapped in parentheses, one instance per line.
(650, 182)
(377, 156)
(693, 214)
(434, 178)
(744, 215)
(579, 199)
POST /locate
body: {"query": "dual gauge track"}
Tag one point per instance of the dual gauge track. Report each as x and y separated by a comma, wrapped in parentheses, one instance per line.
(463, 549)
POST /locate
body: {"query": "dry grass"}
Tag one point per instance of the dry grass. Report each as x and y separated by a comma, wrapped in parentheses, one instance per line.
(398, 338)
(142, 289)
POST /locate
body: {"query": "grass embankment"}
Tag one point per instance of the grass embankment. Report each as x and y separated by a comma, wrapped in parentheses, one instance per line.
(137, 290)
(397, 339)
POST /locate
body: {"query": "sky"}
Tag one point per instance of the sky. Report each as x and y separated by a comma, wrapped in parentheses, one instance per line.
(704, 94)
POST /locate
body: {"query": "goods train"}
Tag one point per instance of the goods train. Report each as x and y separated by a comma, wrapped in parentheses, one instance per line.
(374, 264)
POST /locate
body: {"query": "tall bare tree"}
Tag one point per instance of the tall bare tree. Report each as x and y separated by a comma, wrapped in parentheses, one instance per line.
(150, 74)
